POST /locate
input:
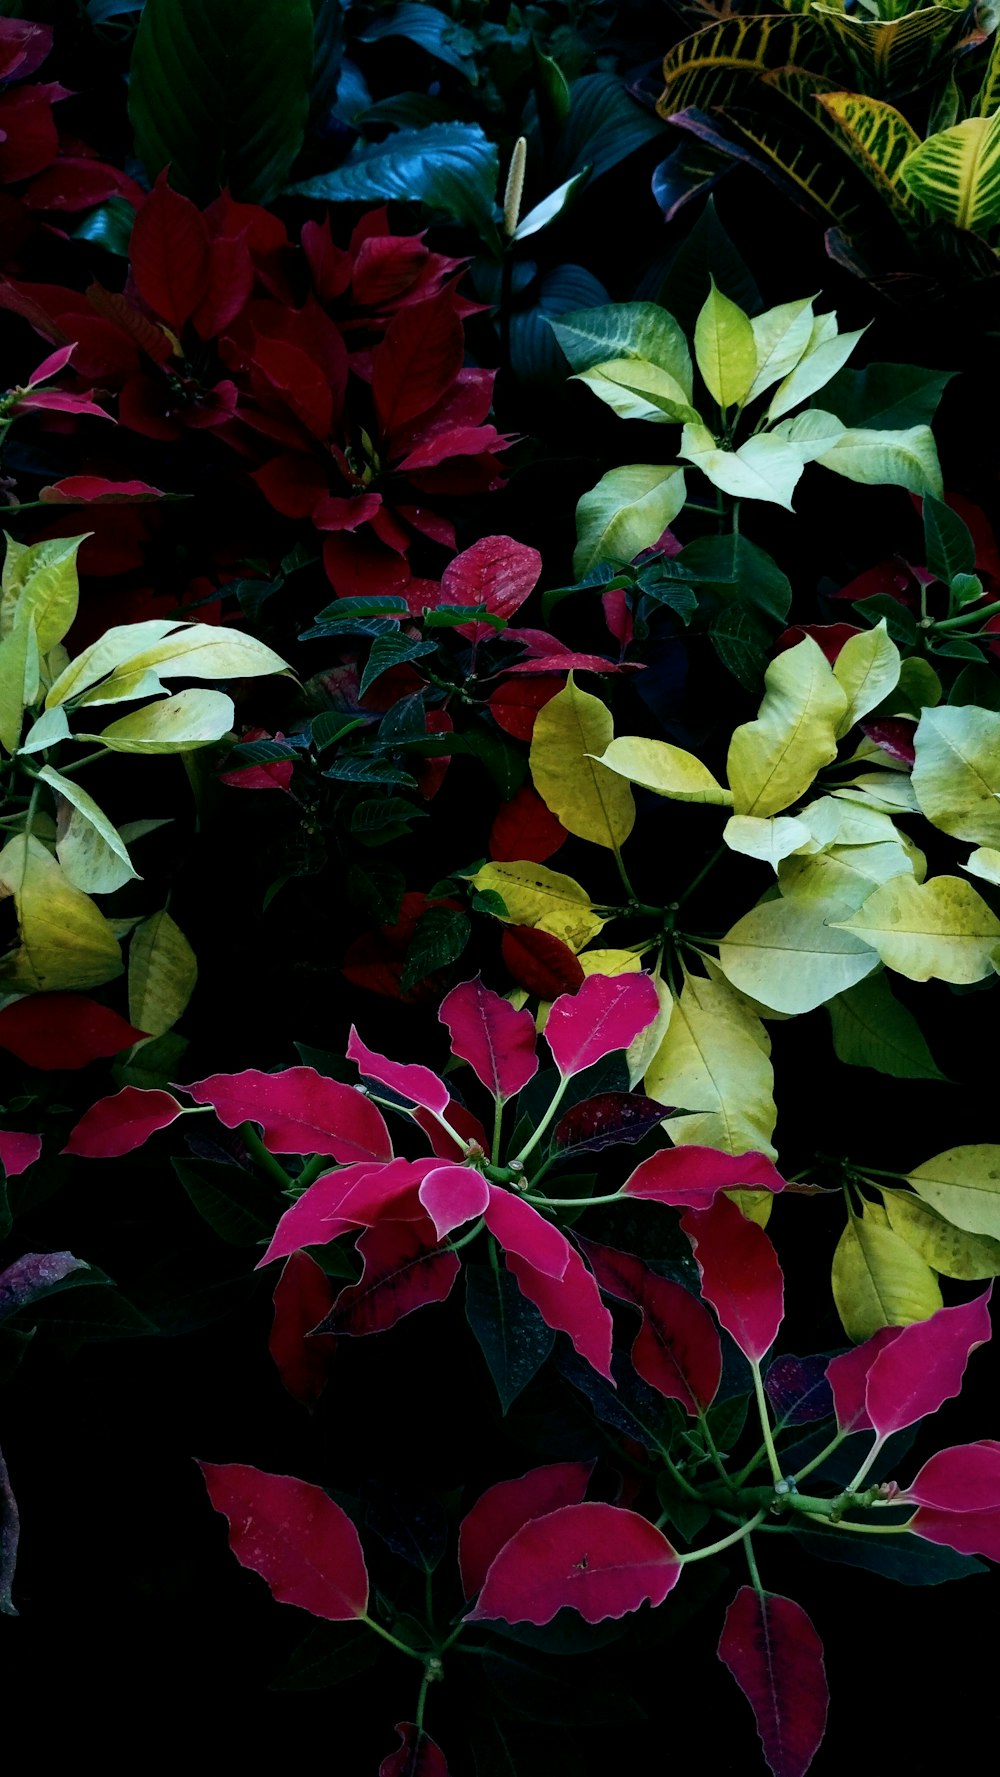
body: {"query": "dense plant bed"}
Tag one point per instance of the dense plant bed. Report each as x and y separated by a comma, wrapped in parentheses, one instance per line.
(500, 870)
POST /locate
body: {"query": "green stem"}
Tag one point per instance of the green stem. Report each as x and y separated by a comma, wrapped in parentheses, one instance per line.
(765, 1425)
(680, 1481)
(497, 1126)
(533, 1141)
(623, 873)
(725, 1542)
(425, 1685)
(752, 1564)
(455, 1246)
(570, 1202)
(316, 1164)
(393, 1640)
(264, 1158)
(970, 619)
(833, 1445)
(706, 1432)
(88, 758)
(862, 1529)
(703, 872)
(737, 1481)
(872, 1456)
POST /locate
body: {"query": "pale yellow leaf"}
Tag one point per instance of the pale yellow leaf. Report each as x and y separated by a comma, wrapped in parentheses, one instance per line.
(939, 930)
(537, 896)
(879, 1280)
(773, 760)
(40, 584)
(571, 732)
(963, 1185)
(65, 943)
(162, 972)
(952, 1251)
(668, 770)
(89, 847)
(715, 1061)
(868, 669)
(784, 955)
(179, 724)
(956, 775)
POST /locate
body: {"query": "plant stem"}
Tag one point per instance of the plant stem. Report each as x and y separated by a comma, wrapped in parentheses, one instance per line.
(865, 1466)
(679, 1480)
(264, 1158)
(88, 758)
(570, 1202)
(455, 1246)
(312, 1169)
(862, 1529)
(418, 1718)
(703, 872)
(970, 619)
(533, 1141)
(497, 1126)
(706, 1432)
(725, 1542)
(765, 1425)
(752, 1564)
(393, 1640)
(833, 1445)
(623, 873)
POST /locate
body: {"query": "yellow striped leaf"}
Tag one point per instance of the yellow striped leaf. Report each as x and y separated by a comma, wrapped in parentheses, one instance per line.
(957, 173)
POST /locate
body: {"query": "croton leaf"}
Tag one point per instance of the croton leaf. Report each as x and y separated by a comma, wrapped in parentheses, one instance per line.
(740, 1274)
(606, 1014)
(599, 1560)
(504, 1508)
(693, 1177)
(118, 1124)
(63, 1030)
(486, 1031)
(294, 1536)
(677, 1349)
(299, 1111)
(404, 1269)
(303, 1296)
(407, 1078)
(776, 1658)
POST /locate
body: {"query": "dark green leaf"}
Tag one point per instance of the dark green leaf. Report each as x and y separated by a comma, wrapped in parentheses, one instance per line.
(907, 1559)
(605, 125)
(388, 651)
(6, 1218)
(536, 1692)
(957, 648)
(743, 643)
(488, 901)
(706, 253)
(377, 889)
(885, 397)
(900, 623)
(253, 594)
(966, 589)
(506, 766)
(259, 752)
(977, 684)
(219, 92)
(411, 1522)
(440, 938)
(948, 545)
(735, 568)
(451, 167)
(872, 1029)
(361, 768)
(430, 30)
(98, 1312)
(233, 1203)
(375, 813)
(450, 616)
(534, 354)
(330, 726)
(512, 1335)
(329, 1655)
(110, 227)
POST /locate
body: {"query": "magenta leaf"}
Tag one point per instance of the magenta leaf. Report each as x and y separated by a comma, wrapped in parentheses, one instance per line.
(302, 1296)
(521, 1230)
(677, 1349)
(418, 1756)
(607, 1121)
(740, 1274)
(496, 1041)
(10, 1527)
(462, 1121)
(798, 1389)
(116, 1125)
(404, 1269)
(776, 1658)
(355, 1197)
(294, 1536)
(300, 1112)
(914, 1374)
(409, 1079)
(599, 1560)
(692, 1177)
(452, 1195)
(502, 1510)
(848, 1379)
(605, 1014)
(958, 1495)
(494, 571)
(571, 1304)
(18, 1151)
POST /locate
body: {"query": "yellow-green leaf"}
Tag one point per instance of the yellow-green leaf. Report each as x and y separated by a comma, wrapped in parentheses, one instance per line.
(626, 512)
(784, 955)
(635, 389)
(833, 820)
(868, 669)
(764, 468)
(780, 335)
(774, 759)
(640, 1052)
(769, 839)
(725, 350)
(14, 667)
(879, 1280)
(956, 173)
(193, 718)
(985, 863)
(611, 962)
(956, 775)
(939, 930)
(537, 896)
(65, 942)
(162, 972)
(103, 656)
(208, 651)
(668, 770)
(51, 727)
(571, 732)
(40, 582)
(835, 882)
(889, 791)
(826, 353)
(963, 1185)
(715, 1061)
(952, 1251)
(89, 848)
(887, 459)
